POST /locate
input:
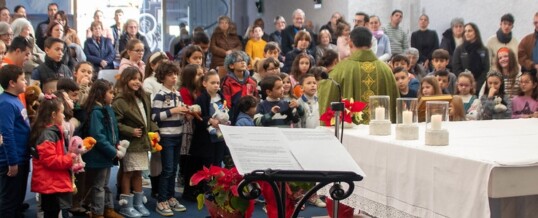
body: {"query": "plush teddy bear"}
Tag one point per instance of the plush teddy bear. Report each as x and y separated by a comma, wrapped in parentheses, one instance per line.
(79, 147)
(154, 139)
(33, 95)
(221, 114)
(122, 148)
(499, 107)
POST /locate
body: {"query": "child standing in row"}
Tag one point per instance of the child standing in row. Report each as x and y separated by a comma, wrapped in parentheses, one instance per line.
(246, 109)
(525, 104)
(466, 90)
(495, 103)
(209, 149)
(238, 82)
(51, 176)
(167, 111)
(102, 126)
(15, 129)
(273, 111)
(132, 108)
(309, 102)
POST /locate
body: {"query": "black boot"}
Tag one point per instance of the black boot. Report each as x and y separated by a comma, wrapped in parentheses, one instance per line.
(154, 185)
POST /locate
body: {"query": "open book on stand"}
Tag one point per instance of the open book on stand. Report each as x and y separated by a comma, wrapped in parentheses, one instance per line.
(260, 148)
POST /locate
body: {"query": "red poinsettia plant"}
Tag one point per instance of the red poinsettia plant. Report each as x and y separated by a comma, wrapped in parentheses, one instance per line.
(352, 113)
(223, 191)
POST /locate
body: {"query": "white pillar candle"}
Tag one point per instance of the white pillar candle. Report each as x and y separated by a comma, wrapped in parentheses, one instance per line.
(379, 113)
(436, 121)
(407, 117)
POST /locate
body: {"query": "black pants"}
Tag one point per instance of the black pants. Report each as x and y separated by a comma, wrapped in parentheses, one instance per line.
(50, 204)
(13, 190)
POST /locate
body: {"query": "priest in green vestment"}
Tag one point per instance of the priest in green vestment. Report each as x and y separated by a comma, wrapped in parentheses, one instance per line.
(361, 75)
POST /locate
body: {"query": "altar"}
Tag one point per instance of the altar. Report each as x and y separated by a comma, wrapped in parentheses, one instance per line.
(489, 169)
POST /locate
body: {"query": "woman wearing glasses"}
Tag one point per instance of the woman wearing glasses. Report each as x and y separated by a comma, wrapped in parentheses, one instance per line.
(131, 32)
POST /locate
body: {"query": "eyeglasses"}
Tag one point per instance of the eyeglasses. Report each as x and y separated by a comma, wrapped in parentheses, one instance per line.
(139, 50)
(239, 61)
(10, 35)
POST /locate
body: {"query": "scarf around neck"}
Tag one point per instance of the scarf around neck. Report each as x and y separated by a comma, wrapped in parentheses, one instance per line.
(504, 38)
(378, 34)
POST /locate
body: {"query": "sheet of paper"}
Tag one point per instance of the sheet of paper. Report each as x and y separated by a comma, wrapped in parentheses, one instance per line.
(259, 148)
(320, 150)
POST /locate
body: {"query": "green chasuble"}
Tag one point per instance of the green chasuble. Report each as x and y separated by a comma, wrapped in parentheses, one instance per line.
(361, 75)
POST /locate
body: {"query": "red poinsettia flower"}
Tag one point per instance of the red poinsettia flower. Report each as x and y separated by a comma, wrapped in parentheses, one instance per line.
(205, 174)
(350, 108)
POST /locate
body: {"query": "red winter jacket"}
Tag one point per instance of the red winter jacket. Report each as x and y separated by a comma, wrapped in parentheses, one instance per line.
(233, 89)
(51, 172)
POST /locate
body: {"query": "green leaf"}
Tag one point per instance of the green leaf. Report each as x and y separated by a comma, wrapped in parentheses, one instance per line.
(221, 198)
(239, 204)
(200, 198)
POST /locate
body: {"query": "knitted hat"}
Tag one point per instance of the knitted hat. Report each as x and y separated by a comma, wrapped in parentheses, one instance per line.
(4, 28)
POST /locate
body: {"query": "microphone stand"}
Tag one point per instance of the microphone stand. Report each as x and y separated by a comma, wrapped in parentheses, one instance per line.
(338, 108)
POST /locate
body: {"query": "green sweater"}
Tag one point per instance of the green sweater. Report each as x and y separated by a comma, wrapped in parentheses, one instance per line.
(361, 75)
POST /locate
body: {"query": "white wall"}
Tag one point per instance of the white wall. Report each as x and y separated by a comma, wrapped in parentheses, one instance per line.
(485, 13)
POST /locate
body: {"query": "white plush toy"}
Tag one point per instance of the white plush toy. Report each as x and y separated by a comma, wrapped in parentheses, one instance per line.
(499, 107)
(122, 148)
(221, 114)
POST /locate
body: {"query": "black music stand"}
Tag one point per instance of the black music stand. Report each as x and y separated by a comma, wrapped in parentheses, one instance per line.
(322, 178)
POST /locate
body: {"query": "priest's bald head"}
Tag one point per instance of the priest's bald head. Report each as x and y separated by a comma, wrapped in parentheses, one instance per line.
(361, 38)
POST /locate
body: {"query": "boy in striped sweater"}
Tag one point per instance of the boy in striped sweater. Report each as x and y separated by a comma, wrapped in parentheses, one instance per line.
(168, 111)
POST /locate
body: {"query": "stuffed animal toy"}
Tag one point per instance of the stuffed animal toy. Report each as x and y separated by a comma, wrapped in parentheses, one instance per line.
(499, 107)
(79, 147)
(221, 114)
(32, 95)
(122, 148)
(195, 111)
(154, 139)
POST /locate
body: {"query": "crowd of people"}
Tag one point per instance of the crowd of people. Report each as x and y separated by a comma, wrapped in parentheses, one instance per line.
(258, 79)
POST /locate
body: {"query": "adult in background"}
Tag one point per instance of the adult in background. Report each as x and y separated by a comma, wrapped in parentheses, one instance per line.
(528, 49)
(117, 28)
(223, 41)
(5, 15)
(23, 27)
(276, 36)
(332, 25)
(324, 44)
(472, 55)
(383, 52)
(502, 38)
(19, 11)
(399, 41)
(70, 38)
(363, 20)
(415, 68)
(107, 32)
(131, 32)
(200, 39)
(41, 30)
(6, 33)
(288, 34)
(361, 75)
(56, 30)
(98, 49)
(424, 40)
(453, 37)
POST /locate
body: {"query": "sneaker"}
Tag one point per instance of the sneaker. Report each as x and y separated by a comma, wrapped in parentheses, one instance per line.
(176, 206)
(164, 209)
(316, 201)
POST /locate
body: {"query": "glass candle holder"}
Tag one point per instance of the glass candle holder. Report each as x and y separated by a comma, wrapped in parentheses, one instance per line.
(379, 115)
(436, 114)
(406, 118)
(406, 111)
(436, 120)
(379, 107)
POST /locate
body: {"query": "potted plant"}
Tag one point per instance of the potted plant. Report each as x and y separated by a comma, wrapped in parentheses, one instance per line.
(352, 113)
(222, 199)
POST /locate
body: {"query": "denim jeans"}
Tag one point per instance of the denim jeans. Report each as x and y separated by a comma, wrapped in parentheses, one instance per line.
(170, 162)
(13, 190)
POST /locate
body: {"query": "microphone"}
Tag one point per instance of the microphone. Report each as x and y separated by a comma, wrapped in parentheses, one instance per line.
(338, 107)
